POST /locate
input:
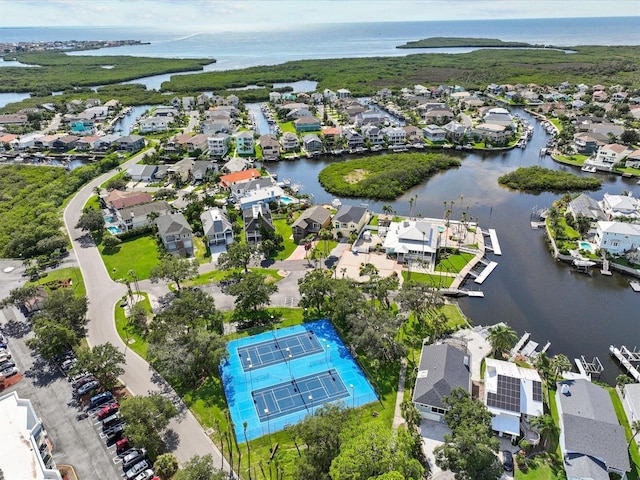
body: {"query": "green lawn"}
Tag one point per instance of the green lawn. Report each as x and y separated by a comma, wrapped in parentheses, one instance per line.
(454, 263)
(541, 468)
(556, 122)
(135, 342)
(434, 280)
(577, 160)
(140, 254)
(93, 203)
(569, 232)
(323, 248)
(282, 228)
(74, 274)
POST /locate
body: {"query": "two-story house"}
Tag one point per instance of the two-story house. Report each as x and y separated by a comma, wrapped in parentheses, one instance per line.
(256, 218)
(245, 144)
(217, 227)
(311, 221)
(350, 218)
(176, 234)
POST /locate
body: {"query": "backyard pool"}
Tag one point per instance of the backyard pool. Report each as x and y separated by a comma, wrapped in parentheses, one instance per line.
(114, 230)
(110, 219)
(286, 200)
(586, 246)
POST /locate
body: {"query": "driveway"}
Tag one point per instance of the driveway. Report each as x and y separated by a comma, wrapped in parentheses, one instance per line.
(187, 437)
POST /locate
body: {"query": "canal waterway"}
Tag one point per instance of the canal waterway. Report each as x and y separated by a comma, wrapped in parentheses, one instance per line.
(529, 290)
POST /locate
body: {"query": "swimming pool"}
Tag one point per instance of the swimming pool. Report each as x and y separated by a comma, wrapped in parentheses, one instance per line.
(586, 246)
(110, 219)
(114, 230)
(286, 200)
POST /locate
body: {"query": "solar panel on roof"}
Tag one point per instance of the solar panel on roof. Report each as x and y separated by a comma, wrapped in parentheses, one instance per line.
(507, 396)
(537, 391)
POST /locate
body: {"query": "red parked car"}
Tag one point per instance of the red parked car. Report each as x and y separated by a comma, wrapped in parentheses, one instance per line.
(108, 410)
(122, 446)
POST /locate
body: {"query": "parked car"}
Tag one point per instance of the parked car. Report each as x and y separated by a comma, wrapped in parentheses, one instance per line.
(108, 410)
(8, 372)
(139, 467)
(508, 461)
(68, 364)
(78, 376)
(122, 447)
(5, 354)
(82, 381)
(87, 387)
(132, 457)
(146, 475)
(100, 399)
(6, 363)
(115, 432)
(111, 420)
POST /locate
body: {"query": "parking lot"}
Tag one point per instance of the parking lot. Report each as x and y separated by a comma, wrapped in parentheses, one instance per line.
(75, 437)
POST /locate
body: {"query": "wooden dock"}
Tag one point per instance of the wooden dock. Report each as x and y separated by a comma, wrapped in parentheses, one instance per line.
(485, 273)
(495, 245)
(625, 357)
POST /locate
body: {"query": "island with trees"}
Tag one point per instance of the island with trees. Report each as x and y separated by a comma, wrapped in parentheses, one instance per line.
(457, 42)
(540, 179)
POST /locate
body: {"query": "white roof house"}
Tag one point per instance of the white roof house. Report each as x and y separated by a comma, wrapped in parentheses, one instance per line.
(618, 206)
(261, 195)
(617, 237)
(412, 240)
(24, 451)
(511, 392)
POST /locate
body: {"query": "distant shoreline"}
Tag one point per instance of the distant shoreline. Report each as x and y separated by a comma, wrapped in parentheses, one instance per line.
(463, 42)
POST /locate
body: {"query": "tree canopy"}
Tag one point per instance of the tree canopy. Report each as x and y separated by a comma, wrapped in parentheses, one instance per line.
(174, 269)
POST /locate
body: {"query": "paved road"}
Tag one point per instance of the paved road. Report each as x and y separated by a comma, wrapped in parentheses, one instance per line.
(186, 435)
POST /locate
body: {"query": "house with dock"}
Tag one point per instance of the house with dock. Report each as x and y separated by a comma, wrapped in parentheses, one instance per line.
(411, 240)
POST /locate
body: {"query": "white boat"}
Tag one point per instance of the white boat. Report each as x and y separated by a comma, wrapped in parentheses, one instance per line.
(335, 203)
(588, 168)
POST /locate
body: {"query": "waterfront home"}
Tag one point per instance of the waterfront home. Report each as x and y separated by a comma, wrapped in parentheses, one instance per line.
(226, 181)
(585, 206)
(307, 124)
(275, 97)
(513, 394)
(620, 206)
(64, 143)
(82, 127)
(245, 144)
(329, 95)
(411, 240)
(165, 112)
(188, 103)
(17, 119)
(617, 238)
(239, 189)
(490, 132)
(631, 404)
(256, 218)
(413, 134)
(434, 133)
(141, 215)
(236, 164)
(585, 143)
(88, 143)
(455, 131)
(592, 442)
(442, 368)
(270, 147)
(217, 227)
(332, 137)
(395, 135)
(154, 124)
(8, 141)
(107, 141)
(296, 113)
(25, 142)
(117, 199)
(289, 142)
(353, 139)
(312, 143)
(370, 117)
(633, 159)
(350, 218)
(498, 116)
(435, 113)
(610, 154)
(130, 143)
(211, 127)
(373, 134)
(343, 93)
(176, 234)
(310, 222)
(265, 195)
(219, 145)
(384, 94)
(142, 173)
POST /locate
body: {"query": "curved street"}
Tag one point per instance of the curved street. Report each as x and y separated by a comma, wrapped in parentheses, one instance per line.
(186, 437)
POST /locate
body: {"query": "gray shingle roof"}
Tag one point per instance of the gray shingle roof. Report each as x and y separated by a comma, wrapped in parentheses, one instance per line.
(173, 224)
(145, 209)
(584, 467)
(316, 214)
(350, 213)
(590, 424)
(441, 370)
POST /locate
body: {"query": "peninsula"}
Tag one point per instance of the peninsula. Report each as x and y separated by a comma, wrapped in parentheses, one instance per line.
(461, 42)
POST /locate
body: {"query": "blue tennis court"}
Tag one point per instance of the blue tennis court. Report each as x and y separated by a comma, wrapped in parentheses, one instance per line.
(298, 394)
(261, 374)
(279, 350)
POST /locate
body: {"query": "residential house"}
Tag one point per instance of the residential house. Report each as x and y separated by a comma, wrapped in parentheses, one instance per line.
(617, 238)
(25, 142)
(141, 215)
(88, 143)
(265, 195)
(154, 124)
(188, 103)
(83, 127)
(310, 222)
(65, 143)
(384, 94)
(608, 155)
(117, 199)
(436, 113)
(217, 227)
(275, 97)
(9, 140)
(107, 141)
(412, 240)
(592, 442)
(200, 170)
(161, 172)
(455, 131)
(176, 234)
(354, 139)
(165, 112)
(142, 173)
(211, 127)
(236, 164)
(178, 143)
(197, 142)
(329, 95)
(240, 189)
(219, 145)
(257, 218)
(270, 147)
(312, 143)
(130, 143)
(413, 134)
(370, 117)
(585, 144)
(585, 206)
(332, 137)
(513, 395)
(343, 93)
(240, 176)
(307, 124)
(180, 171)
(350, 218)
(630, 394)
(373, 134)
(245, 143)
(434, 133)
(289, 142)
(17, 119)
(296, 113)
(499, 116)
(442, 368)
(620, 206)
(633, 159)
(395, 135)
(491, 132)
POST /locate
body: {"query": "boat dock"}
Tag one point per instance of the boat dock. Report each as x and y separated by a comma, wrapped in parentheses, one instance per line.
(588, 369)
(485, 273)
(458, 292)
(528, 348)
(635, 286)
(520, 343)
(625, 357)
(495, 244)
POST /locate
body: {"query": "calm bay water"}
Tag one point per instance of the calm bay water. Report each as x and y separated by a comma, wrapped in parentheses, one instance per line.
(580, 314)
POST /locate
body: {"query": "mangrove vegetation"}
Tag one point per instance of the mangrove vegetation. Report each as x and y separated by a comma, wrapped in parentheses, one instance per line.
(539, 179)
(454, 42)
(382, 177)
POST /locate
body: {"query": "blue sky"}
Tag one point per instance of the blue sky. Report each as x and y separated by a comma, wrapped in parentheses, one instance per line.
(236, 14)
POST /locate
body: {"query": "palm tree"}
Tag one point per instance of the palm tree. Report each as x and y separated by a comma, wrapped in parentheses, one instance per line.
(560, 363)
(502, 338)
(635, 428)
(546, 427)
(387, 209)
(543, 365)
